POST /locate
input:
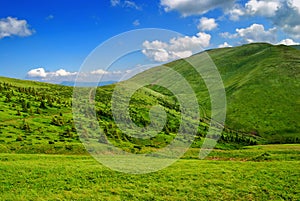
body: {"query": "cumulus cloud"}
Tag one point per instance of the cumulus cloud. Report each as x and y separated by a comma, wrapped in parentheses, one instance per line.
(192, 7)
(225, 44)
(62, 75)
(38, 72)
(207, 24)
(284, 14)
(176, 48)
(42, 73)
(13, 27)
(263, 8)
(235, 12)
(287, 18)
(254, 33)
(288, 42)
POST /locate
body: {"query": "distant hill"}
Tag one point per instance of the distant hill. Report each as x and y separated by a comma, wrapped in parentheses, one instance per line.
(87, 84)
(296, 46)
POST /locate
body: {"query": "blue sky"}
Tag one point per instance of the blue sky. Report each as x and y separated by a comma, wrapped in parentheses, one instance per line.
(49, 40)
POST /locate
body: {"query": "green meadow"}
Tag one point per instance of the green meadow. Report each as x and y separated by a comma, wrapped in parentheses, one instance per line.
(255, 173)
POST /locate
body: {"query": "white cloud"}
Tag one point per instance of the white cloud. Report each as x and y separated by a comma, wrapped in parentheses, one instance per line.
(287, 18)
(13, 27)
(62, 75)
(42, 73)
(115, 2)
(224, 45)
(254, 8)
(177, 48)
(131, 4)
(263, 8)
(50, 17)
(192, 7)
(283, 14)
(39, 72)
(254, 33)
(100, 72)
(136, 23)
(125, 4)
(207, 24)
(296, 4)
(288, 42)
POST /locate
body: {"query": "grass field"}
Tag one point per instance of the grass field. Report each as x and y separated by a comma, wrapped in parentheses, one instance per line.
(273, 175)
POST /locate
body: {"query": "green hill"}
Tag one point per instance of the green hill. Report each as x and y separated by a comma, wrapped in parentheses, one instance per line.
(262, 88)
(296, 46)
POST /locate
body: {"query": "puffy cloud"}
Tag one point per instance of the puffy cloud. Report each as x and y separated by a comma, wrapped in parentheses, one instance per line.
(39, 72)
(207, 24)
(284, 14)
(13, 27)
(254, 33)
(236, 12)
(287, 18)
(224, 45)
(62, 75)
(254, 8)
(263, 8)
(296, 4)
(180, 47)
(42, 73)
(192, 7)
(288, 42)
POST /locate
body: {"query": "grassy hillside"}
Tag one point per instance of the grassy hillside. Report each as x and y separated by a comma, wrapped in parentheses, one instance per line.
(262, 88)
(36, 117)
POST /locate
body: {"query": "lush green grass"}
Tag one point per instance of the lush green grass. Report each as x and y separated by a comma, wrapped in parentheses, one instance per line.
(60, 177)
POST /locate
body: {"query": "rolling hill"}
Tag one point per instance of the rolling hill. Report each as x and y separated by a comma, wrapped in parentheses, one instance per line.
(261, 83)
(262, 88)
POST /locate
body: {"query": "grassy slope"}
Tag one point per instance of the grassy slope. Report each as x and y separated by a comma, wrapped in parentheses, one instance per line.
(262, 85)
(262, 88)
(33, 129)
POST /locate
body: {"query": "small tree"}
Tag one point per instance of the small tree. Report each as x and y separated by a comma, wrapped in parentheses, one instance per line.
(43, 105)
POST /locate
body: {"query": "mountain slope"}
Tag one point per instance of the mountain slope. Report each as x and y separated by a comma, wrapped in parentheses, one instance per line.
(262, 88)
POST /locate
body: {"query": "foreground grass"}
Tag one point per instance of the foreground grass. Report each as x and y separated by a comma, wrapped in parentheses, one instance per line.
(59, 177)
